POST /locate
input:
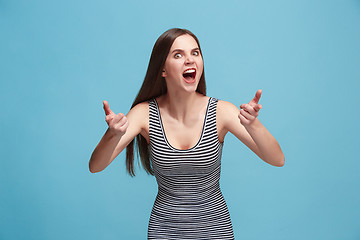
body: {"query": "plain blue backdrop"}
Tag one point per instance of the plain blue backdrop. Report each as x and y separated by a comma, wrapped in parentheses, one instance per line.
(60, 59)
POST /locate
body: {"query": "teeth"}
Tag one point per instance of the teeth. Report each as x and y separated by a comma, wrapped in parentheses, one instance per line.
(190, 71)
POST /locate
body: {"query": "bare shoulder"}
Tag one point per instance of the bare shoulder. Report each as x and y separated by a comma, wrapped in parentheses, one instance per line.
(139, 113)
(138, 118)
(226, 106)
(139, 109)
(226, 111)
(143, 106)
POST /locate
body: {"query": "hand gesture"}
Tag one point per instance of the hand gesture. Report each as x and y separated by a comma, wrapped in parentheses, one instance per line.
(250, 111)
(117, 123)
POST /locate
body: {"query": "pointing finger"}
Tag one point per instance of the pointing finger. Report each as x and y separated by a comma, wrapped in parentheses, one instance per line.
(256, 99)
(107, 108)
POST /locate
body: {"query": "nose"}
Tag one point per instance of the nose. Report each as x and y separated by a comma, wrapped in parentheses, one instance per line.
(189, 59)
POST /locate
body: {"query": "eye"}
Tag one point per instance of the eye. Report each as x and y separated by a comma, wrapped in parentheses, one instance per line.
(196, 53)
(177, 55)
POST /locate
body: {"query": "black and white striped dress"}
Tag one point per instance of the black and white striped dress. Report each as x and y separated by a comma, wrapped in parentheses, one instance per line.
(189, 203)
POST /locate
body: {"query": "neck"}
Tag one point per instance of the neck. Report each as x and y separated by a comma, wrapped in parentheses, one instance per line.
(180, 104)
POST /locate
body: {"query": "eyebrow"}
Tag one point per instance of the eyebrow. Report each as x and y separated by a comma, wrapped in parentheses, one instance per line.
(181, 50)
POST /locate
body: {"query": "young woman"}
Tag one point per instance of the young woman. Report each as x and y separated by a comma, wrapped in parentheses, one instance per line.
(179, 133)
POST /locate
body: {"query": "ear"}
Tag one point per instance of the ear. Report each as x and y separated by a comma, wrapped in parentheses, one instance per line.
(163, 74)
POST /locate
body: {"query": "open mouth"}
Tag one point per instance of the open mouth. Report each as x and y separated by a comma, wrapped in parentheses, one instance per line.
(189, 74)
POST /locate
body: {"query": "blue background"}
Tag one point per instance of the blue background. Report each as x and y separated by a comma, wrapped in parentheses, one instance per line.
(60, 59)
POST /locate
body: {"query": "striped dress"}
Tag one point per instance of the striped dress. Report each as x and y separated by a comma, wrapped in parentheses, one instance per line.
(189, 203)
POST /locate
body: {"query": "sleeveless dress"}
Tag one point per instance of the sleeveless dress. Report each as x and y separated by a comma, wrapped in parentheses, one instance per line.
(189, 203)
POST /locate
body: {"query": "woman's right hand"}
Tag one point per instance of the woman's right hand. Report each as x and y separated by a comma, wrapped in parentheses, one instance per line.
(118, 123)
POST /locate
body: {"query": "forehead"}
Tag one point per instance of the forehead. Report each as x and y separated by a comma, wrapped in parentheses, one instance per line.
(184, 42)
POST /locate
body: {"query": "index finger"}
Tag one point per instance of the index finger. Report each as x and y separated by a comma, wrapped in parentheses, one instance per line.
(107, 108)
(257, 96)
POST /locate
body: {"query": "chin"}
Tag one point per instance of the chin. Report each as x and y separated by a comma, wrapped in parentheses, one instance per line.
(191, 88)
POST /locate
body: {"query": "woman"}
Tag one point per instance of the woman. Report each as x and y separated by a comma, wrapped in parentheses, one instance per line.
(180, 133)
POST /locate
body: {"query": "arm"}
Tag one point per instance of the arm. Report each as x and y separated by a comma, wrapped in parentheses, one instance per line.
(249, 130)
(122, 130)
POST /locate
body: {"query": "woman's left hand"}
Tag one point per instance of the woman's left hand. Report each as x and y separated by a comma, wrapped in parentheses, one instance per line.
(250, 111)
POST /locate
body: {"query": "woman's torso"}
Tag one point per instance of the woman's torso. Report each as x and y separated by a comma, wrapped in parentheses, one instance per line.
(189, 203)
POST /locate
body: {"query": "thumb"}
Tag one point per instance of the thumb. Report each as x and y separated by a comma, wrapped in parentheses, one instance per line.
(107, 108)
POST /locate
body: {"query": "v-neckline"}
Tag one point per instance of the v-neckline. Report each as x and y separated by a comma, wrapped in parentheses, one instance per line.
(164, 134)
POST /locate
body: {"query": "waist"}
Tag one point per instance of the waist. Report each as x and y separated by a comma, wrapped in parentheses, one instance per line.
(189, 192)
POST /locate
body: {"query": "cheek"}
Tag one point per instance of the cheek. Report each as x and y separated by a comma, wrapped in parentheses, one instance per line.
(200, 65)
(172, 67)
(200, 61)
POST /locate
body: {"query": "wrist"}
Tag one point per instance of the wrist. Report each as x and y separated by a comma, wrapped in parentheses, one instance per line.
(112, 134)
(253, 126)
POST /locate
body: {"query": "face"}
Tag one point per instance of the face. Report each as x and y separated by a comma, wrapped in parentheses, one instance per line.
(184, 64)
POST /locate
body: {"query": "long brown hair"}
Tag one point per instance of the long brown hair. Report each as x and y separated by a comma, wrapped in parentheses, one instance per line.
(154, 85)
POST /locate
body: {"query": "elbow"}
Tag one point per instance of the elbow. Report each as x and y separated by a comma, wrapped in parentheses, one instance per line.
(92, 169)
(94, 166)
(277, 162)
(281, 162)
